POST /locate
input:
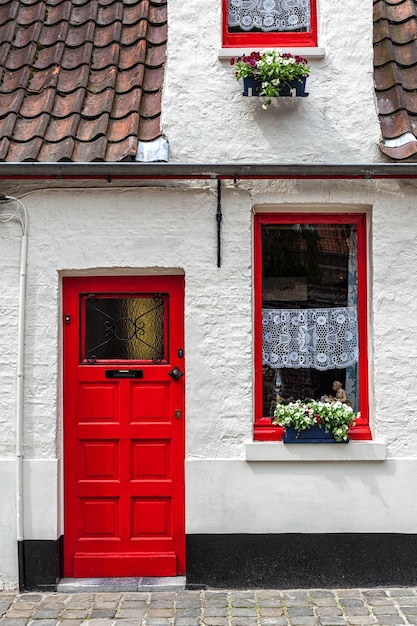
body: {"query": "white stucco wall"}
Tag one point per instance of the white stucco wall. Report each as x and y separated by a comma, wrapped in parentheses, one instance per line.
(161, 230)
(206, 119)
(145, 228)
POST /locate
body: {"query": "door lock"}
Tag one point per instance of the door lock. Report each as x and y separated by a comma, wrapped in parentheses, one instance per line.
(178, 414)
(176, 373)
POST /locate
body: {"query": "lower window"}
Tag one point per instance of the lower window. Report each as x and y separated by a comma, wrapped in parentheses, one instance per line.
(310, 314)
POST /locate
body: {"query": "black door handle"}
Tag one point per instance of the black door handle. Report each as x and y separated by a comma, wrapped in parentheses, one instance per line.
(176, 373)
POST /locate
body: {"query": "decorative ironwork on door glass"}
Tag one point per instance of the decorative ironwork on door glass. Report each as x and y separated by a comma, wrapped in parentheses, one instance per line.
(124, 327)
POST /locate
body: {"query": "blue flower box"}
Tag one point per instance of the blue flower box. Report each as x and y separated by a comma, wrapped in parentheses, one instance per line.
(294, 89)
(315, 434)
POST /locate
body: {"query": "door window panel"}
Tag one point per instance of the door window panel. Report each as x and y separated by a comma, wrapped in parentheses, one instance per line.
(124, 328)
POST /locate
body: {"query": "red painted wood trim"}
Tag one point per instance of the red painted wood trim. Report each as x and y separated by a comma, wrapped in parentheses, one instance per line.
(263, 430)
(271, 40)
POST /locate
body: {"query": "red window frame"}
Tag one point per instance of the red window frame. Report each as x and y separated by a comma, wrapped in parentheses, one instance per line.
(265, 40)
(263, 429)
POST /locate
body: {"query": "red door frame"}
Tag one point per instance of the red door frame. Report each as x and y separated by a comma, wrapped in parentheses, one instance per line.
(263, 429)
(72, 287)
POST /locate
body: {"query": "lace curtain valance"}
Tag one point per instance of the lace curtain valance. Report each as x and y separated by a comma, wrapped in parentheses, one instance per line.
(269, 15)
(322, 339)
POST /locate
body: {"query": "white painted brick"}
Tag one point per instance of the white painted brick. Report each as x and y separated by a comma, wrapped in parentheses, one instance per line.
(206, 119)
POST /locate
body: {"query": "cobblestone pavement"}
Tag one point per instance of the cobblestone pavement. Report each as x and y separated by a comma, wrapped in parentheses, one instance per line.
(314, 607)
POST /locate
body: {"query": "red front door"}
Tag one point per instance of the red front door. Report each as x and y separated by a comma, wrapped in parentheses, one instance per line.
(124, 426)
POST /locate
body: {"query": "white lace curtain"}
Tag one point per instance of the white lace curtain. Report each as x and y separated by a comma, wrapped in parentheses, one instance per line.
(269, 15)
(321, 339)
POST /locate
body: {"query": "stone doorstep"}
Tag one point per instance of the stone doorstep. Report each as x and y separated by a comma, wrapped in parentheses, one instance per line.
(106, 585)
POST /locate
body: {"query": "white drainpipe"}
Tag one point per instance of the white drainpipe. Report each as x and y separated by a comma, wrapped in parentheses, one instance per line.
(21, 217)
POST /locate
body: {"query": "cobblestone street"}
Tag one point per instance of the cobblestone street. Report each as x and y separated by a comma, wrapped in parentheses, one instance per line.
(315, 607)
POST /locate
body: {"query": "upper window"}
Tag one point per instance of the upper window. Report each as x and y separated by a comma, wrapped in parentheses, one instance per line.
(269, 23)
(311, 320)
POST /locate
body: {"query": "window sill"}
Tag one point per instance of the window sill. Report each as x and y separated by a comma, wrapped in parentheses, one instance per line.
(308, 53)
(353, 451)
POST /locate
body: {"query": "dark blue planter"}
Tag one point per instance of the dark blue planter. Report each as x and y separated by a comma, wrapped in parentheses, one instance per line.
(315, 434)
(252, 87)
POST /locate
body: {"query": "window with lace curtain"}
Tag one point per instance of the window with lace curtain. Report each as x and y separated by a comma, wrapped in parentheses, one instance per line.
(311, 321)
(269, 23)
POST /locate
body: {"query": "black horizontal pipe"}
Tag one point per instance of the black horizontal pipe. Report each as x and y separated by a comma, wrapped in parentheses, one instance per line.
(193, 171)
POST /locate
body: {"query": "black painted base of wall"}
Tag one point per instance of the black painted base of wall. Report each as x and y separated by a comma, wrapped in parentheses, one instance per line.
(40, 564)
(296, 561)
(283, 561)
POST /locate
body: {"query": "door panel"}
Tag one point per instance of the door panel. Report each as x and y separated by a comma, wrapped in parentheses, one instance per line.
(123, 427)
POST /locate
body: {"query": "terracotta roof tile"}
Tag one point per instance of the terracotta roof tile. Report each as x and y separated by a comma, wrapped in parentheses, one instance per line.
(122, 106)
(108, 34)
(10, 81)
(104, 57)
(28, 14)
(4, 148)
(11, 102)
(43, 79)
(24, 37)
(59, 12)
(90, 150)
(150, 102)
(131, 55)
(50, 34)
(128, 79)
(80, 80)
(66, 104)
(35, 127)
(84, 13)
(90, 130)
(155, 56)
(153, 78)
(37, 103)
(7, 125)
(96, 103)
(395, 75)
(45, 57)
(60, 129)
(57, 151)
(100, 80)
(8, 11)
(7, 31)
(122, 150)
(156, 35)
(16, 58)
(119, 129)
(26, 151)
(76, 37)
(405, 151)
(108, 14)
(149, 128)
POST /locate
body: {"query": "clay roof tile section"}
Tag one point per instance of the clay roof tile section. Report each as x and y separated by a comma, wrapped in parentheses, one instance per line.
(81, 80)
(395, 76)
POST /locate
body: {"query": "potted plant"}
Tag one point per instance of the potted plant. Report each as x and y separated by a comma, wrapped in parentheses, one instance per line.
(312, 421)
(271, 73)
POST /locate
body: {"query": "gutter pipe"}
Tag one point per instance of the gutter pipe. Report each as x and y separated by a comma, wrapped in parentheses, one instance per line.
(19, 403)
(205, 171)
(19, 372)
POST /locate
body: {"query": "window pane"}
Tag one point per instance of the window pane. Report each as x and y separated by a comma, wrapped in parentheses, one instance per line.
(309, 312)
(268, 16)
(124, 328)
